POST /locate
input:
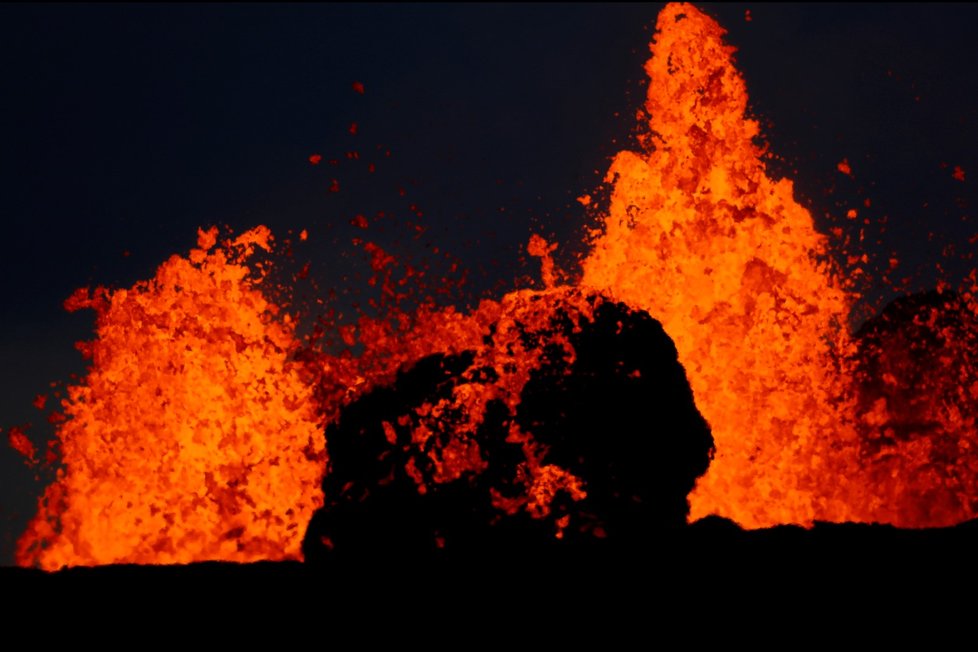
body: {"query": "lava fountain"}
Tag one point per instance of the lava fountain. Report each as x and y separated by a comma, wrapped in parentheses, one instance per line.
(731, 264)
(723, 255)
(198, 432)
(193, 436)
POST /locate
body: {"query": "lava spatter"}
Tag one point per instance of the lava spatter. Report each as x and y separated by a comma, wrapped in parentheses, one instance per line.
(197, 433)
(700, 236)
(193, 436)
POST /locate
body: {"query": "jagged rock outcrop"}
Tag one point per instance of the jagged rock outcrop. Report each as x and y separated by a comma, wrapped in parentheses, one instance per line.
(573, 425)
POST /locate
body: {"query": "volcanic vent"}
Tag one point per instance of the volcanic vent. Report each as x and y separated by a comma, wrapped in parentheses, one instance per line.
(560, 414)
(704, 239)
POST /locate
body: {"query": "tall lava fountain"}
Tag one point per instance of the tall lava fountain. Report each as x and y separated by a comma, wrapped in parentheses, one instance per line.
(699, 235)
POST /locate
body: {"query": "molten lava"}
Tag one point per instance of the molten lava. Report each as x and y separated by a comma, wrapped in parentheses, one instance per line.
(732, 266)
(699, 235)
(193, 436)
(197, 433)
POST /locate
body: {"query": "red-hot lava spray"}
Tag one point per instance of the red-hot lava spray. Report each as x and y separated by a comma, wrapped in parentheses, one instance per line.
(699, 235)
(193, 436)
(732, 266)
(197, 433)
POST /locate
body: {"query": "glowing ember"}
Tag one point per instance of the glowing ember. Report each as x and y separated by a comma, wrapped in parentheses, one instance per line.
(193, 436)
(20, 443)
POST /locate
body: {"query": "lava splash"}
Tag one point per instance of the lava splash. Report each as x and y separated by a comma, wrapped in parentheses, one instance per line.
(193, 437)
(804, 415)
(700, 236)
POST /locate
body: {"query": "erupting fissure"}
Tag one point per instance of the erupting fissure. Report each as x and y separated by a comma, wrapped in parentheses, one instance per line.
(723, 255)
(197, 433)
(731, 264)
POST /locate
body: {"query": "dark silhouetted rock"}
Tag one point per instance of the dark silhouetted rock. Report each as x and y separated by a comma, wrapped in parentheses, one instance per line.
(917, 354)
(711, 569)
(617, 414)
(917, 372)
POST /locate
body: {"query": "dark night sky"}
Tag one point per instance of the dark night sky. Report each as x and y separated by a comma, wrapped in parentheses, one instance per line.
(124, 128)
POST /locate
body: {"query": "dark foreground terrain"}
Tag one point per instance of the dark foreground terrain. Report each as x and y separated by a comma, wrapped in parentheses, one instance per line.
(843, 583)
(848, 560)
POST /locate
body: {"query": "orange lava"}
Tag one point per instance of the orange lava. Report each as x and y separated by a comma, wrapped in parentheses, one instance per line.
(197, 433)
(22, 444)
(193, 436)
(732, 266)
(699, 235)
(402, 339)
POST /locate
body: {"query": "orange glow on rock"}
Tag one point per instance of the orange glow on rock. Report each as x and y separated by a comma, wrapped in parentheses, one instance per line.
(193, 436)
